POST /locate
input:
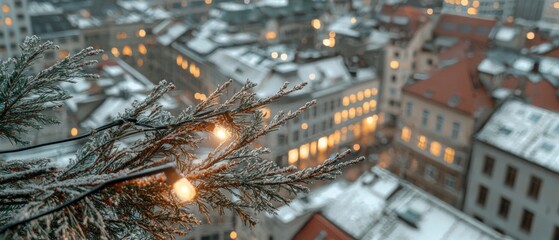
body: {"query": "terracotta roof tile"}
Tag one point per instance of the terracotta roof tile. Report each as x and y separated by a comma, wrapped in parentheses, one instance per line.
(417, 17)
(456, 86)
(541, 94)
(466, 28)
(318, 224)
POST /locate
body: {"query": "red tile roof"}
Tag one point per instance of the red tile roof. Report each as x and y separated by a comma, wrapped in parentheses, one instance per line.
(455, 82)
(554, 53)
(318, 224)
(417, 17)
(466, 28)
(541, 94)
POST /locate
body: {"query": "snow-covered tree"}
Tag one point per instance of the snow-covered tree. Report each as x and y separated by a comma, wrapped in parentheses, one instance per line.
(235, 176)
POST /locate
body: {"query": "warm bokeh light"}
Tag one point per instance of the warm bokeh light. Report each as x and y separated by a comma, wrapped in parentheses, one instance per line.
(530, 35)
(5, 8)
(127, 51)
(8, 21)
(312, 76)
(271, 35)
(322, 144)
(275, 55)
(464, 3)
(283, 56)
(304, 151)
(356, 147)
(406, 134)
(435, 148)
(304, 126)
(233, 235)
(353, 20)
(326, 42)
(142, 49)
(220, 132)
(105, 57)
(345, 101)
(394, 64)
(115, 52)
(179, 60)
(293, 156)
(430, 11)
(140, 62)
(556, 4)
(315, 23)
(184, 190)
(208, 1)
(74, 132)
(141, 33)
(472, 11)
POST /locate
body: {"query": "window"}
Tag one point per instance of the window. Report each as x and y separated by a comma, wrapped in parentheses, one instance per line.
(406, 134)
(556, 233)
(450, 182)
(504, 207)
(526, 222)
(425, 118)
(435, 148)
(488, 165)
(296, 136)
(510, 177)
(432, 173)
(393, 91)
(422, 142)
(482, 195)
(534, 188)
(439, 124)
(409, 108)
(393, 78)
(293, 156)
(455, 130)
(449, 155)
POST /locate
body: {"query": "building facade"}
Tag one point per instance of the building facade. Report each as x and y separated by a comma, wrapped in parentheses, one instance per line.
(492, 9)
(15, 26)
(514, 172)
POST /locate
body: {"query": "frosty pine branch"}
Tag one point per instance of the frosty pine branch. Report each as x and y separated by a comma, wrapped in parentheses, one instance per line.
(235, 176)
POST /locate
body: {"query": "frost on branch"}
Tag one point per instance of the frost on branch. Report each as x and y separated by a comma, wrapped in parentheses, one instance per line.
(234, 176)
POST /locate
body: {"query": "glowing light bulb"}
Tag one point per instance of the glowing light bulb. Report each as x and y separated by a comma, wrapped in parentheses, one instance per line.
(184, 190)
(221, 132)
(233, 235)
(74, 132)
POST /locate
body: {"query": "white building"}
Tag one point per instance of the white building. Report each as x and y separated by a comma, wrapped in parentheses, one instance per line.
(514, 172)
(493, 9)
(377, 206)
(15, 25)
(345, 113)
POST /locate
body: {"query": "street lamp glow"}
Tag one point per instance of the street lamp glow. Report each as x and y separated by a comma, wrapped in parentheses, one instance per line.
(233, 235)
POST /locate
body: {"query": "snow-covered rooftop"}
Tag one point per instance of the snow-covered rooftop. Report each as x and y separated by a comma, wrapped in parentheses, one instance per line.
(490, 66)
(526, 131)
(381, 206)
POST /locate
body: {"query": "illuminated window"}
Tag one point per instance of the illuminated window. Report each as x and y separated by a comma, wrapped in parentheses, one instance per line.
(271, 35)
(394, 64)
(496, 5)
(179, 60)
(366, 107)
(373, 104)
(359, 111)
(74, 132)
(352, 98)
(142, 49)
(406, 134)
(313, 148)
(435, 148)
(315, 23)
(344, 115)
(127, 51)
(208, 2)
(141, 33)
(464, 2)
(6, 8)
(337, 118)
(374, 91)
(345, 101)
(360, 96)
(472, 11)
(422, 142)
(322, 144)
(304, 151)
(184, 65)
(115, 52)
(344, 133)
(140, 62)
(331, 140)
(351, 112)
(337, 136)
(556, 5)
(449, 155)
(367, 93)
(475, 4)
(8, 21)
(293, 155)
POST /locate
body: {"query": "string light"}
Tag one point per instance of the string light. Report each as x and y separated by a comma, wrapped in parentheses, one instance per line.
(183, 189)
(220, 132)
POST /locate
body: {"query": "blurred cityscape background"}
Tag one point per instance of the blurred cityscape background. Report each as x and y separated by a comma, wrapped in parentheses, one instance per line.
(454, 103)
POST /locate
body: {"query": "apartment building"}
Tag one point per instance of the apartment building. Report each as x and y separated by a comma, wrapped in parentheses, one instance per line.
(15, 25)
(409, 28)
(491, 9)
(514, 172)
(439, 116)
(550, 13)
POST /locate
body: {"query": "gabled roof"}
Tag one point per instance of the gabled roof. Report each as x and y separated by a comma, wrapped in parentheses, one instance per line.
(405, 17)
(317, 227)
(541, 93)
(464, 27)
(456, 86)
